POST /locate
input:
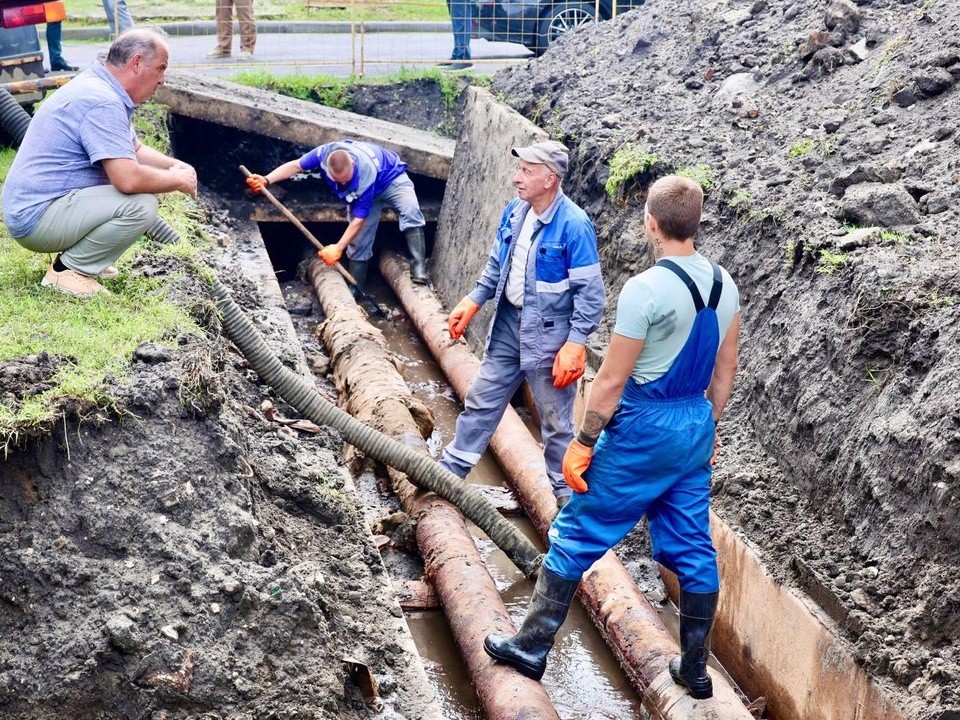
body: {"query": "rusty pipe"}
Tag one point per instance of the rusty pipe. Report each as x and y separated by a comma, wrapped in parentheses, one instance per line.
(376, 394)
(627, 621)
(21, 87)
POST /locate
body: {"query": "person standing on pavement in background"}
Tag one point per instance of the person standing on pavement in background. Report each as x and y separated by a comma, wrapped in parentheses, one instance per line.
(82, 185)
(647, 440)
(55, 48)
(118, 16)
(543, 275)
(461, 20)
(248, 29)
(367, 177)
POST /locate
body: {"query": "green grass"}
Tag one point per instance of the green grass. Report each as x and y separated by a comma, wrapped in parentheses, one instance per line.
(829, 262)
(98, 335)
(335, 91)
(627, 163)
(801, 148)
(701, 174)
(90, 12)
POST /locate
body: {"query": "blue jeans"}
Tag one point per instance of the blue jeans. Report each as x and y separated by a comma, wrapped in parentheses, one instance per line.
(460, 20)
(123, 16)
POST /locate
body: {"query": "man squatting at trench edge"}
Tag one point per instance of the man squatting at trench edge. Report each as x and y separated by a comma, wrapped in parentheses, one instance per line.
(647, 440)
(367, 177)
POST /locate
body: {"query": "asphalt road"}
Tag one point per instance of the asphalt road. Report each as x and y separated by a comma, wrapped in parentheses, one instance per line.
(332, 53)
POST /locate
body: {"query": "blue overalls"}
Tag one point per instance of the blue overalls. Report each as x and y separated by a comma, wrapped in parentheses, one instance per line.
(653, 457)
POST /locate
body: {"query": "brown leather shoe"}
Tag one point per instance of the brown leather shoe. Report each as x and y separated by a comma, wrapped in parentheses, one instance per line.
(72, 283)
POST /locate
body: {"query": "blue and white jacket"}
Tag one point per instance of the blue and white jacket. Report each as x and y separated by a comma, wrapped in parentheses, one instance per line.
(563, 290)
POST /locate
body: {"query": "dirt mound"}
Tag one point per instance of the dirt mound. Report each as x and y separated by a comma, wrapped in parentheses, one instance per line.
(825, 134)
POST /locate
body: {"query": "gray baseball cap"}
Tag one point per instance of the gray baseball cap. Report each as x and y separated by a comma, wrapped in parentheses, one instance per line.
(551, 153)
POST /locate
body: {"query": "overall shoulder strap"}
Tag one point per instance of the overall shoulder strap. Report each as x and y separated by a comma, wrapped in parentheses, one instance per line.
(715, 290)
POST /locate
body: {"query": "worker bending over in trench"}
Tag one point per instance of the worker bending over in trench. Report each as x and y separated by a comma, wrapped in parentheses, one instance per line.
(82, 184)
(647, 440)
(543, 275)
(367, 177)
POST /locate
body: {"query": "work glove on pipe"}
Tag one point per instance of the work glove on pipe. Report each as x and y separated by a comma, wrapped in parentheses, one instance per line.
(461, 316)
(569, 364)
(330, 254)
(257, 183)
(576, 460)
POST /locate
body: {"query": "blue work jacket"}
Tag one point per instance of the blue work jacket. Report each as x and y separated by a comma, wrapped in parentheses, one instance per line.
(563, 297)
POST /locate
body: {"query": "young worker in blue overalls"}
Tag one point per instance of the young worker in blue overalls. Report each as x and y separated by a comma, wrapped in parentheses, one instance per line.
(647, 439)
(366, 177)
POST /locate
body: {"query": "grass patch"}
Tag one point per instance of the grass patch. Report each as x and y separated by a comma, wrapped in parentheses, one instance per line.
(85, 13)
(701, 174)
(96, 336)
(335, 91)
(829, 262)
(801, 148)
(627, 163)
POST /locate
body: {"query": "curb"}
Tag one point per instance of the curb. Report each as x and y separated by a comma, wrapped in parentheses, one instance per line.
(209, 27)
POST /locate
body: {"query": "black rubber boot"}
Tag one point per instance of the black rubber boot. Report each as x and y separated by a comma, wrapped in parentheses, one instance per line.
(527, 650)
(690, 667)
(417, 245)
(358, 268)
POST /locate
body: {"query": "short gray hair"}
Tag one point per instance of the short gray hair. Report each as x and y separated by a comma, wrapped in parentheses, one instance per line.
(141, 40)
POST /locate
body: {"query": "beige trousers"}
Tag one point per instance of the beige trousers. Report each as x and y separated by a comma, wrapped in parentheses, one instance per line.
(248, 26)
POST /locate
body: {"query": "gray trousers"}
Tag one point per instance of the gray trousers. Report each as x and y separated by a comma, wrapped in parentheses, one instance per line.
(497, 380)
(400, 196)
(92, 227)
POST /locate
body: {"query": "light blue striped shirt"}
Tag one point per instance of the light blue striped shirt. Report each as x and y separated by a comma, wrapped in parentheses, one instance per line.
(82, 123)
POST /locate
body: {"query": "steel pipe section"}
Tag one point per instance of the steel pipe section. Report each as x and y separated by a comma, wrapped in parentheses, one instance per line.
(376, 394)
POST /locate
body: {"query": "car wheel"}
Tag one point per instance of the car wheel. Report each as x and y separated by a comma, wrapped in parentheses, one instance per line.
(562, 16)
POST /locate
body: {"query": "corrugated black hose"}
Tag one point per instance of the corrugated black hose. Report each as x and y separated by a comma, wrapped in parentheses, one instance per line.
(424, 471)
(13, 118)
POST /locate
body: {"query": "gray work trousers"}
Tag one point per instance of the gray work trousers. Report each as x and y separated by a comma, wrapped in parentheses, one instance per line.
(497, 380)
(399, 195)
(92, 227)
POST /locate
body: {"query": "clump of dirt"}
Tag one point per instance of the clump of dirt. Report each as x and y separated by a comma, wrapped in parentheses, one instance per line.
(825, 135)
(186, 557)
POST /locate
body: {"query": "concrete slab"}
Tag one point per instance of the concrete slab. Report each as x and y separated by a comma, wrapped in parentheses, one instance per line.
(299, 121)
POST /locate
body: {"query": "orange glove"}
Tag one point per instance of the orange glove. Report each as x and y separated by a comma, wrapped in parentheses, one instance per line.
(569, 364)
(257, 183)
(330, 254)
(576, 460)
(461, 316)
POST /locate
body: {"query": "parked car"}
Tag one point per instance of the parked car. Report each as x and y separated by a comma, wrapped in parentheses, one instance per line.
(20, 55)
(537, 23)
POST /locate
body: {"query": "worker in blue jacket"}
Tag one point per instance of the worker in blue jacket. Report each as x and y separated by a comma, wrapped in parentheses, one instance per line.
(647, 440)
(366, 177)
(543, 276)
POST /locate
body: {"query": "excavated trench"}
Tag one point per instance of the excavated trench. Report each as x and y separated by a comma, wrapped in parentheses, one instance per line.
(783, 666)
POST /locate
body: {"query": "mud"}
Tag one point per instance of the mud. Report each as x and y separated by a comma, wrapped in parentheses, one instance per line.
(186, 557)
(841, 448)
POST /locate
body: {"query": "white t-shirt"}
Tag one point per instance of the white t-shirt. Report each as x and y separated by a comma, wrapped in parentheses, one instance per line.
(656, 307)
(518, 264)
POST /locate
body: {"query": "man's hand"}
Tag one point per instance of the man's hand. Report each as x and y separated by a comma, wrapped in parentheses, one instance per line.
(461, 316)
(187, 179)
(330, 254)
(576, 460)
(569, 364)
(257, 183)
